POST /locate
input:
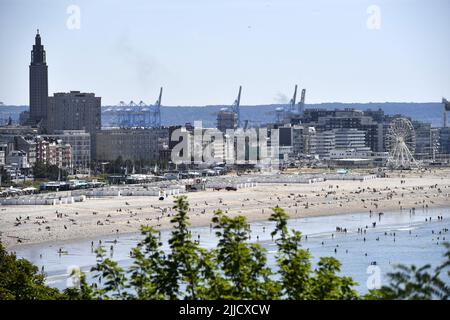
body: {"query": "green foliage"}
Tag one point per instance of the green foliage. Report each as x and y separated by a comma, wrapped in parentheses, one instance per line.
(114, 167)
(147, 272)
(21, 280)
(298, 281)
(5, 177)
(243, 272)
(51, 172)
(113, 278)
(234, 269)
(183, 265)
(327, 285)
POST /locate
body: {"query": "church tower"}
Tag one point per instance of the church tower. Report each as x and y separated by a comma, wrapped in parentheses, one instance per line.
(38, 83)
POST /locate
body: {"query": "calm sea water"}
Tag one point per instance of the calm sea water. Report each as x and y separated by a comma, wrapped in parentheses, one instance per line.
(399, 237)
(427, 112)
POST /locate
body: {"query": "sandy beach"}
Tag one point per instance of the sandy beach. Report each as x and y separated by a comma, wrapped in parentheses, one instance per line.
(28, 224)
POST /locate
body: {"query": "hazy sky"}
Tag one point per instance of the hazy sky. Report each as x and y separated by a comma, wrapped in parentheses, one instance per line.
(201, 51)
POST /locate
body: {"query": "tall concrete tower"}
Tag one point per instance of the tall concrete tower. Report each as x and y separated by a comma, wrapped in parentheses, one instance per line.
(38, 83)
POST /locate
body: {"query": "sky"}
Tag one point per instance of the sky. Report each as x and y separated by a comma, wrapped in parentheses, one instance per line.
(200, 51)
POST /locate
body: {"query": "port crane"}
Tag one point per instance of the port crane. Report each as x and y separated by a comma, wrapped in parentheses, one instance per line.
(446, 110)
(129, 115)
(301, 104)
(293, 100)
(283, 113)
(236, 107)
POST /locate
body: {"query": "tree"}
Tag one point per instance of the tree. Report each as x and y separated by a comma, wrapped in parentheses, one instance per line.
(243, 267)
(327, 285)
(235, 269)
(184, 263)
(293, 262)
(154, 274)
(147, 271)
(5, 178)
(21, 280)
(298, 282)
(51, 172)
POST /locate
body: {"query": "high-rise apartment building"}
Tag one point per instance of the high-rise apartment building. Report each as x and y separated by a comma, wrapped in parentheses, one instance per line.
(75, 110)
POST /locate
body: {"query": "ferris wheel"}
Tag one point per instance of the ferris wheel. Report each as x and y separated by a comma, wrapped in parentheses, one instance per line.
(401, 143)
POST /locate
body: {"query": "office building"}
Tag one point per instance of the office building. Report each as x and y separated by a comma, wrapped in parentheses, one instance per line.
(131, 144)
(75, 111)
(226, 120)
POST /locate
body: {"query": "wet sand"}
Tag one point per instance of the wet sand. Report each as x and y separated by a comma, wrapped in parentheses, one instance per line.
(409, 238)
(21, 225)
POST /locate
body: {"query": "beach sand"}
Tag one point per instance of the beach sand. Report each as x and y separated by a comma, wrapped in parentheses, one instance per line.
(26, 224)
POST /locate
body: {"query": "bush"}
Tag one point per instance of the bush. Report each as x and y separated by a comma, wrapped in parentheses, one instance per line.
(235, 269)
(20, 280)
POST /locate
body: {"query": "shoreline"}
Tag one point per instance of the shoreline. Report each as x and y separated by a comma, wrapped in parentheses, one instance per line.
(168, 228)
(389, 243)
(113, 216)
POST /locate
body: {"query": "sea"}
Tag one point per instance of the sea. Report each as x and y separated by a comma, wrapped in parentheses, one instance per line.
(395, 237)
(431, 112)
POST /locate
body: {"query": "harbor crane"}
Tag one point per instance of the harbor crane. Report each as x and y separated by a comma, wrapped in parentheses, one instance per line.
(236, 107)
(157, 111)
(285, 113)
(446, 110)
(293, 100)
(129, 115)
(301, 104)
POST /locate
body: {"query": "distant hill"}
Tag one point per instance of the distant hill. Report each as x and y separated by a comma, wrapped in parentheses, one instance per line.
(172, 115)
(10, 111)
(427, 112)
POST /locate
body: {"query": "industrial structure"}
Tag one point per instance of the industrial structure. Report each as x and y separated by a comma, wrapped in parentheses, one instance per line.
(446, 110)
(230, 117)
(134, 115)
(65, 130)
(236, 107)
(301, 104)
(286, 113)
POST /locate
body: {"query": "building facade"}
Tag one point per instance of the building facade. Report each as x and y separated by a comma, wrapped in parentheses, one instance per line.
(17, 159)
(45, 150)
(75, 111)
(424, 140)
(350, 139)
(131, 144)
(370, 121)
(444, 141)
(322, 143)
(80, 142)
(226, 120)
